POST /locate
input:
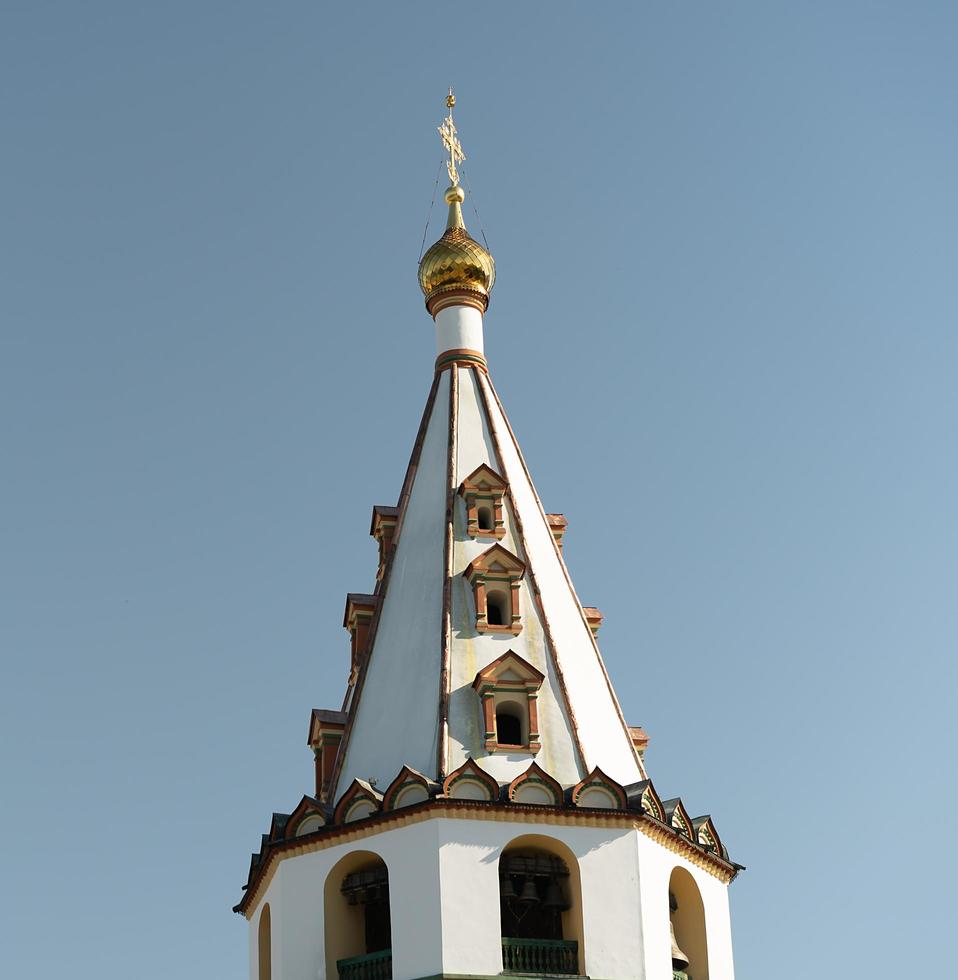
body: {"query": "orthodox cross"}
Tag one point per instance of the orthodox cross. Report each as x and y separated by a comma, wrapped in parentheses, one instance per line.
(450, 140)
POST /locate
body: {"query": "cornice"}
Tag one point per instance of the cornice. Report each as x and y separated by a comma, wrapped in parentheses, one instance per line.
(518, 813)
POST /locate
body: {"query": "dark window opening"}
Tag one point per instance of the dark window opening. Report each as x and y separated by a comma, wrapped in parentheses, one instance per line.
(378, 931)
(371, 890)
(496, 609)
(508, 728)
(485, 520)
(532, 895)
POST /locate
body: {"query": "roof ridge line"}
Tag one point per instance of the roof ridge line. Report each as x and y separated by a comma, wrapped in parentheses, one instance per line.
(404, 495)
(442, 739)
(568, 579)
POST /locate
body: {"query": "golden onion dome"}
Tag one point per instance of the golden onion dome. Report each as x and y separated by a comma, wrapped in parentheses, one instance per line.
(457, 269)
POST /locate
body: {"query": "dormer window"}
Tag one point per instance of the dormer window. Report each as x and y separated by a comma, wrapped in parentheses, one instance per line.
(495, 576)
(593, 617)
(483, 491)
(357, 618)
(508, 690)
(558, 526)
(383, 529)
(325, 733)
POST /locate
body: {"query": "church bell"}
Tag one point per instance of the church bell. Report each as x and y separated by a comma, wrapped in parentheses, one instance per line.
(554, 899)
(530, 894)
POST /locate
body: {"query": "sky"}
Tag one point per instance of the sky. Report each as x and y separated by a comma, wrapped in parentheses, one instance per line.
(724, 328)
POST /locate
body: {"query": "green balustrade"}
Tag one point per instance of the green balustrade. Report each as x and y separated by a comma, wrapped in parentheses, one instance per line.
(540, 956)
(372, 966)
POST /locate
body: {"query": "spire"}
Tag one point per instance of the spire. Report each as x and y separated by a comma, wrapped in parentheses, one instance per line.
(456, 270)
(478, 648)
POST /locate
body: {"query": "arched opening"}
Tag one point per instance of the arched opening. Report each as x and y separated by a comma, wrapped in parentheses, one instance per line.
(509, 724)
(687, 913)
(264, 946)
(485, 519)
(358, 932)
(496, 606)
(540, 903)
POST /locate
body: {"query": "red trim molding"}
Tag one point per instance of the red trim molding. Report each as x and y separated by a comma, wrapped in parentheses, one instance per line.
(462, 357)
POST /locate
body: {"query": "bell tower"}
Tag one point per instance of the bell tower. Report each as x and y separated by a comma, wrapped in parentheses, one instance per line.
(480, 805)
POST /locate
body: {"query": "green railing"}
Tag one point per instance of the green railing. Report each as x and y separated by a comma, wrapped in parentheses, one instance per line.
(372, 966)
(552, 956)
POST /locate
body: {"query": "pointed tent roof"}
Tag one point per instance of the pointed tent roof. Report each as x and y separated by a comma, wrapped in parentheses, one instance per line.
(413, 703)
(412, 700)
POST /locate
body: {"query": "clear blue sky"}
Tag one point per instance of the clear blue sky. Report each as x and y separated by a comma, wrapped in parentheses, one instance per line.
(725, 331)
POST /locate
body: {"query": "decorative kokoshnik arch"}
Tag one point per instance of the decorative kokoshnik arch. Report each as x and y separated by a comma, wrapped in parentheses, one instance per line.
(362, 809)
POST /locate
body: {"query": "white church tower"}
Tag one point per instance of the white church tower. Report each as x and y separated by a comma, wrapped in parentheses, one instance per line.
(481, 806)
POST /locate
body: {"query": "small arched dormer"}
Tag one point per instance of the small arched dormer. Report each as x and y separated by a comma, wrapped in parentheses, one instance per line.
(308, 818)
(361, 800)
(535, 787)
(407, 789)
(706, 836)
(642, 796)
(470, 782)
(599, 791)
(677, 817)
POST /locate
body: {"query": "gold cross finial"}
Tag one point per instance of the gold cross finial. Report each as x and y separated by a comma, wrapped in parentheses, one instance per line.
(450, 140)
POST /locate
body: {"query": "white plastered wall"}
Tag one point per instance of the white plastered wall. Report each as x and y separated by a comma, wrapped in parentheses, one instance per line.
(608, 869)
(657, 864)
(272, 898)
(411, 855)
(458, 328)
(444, 901)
